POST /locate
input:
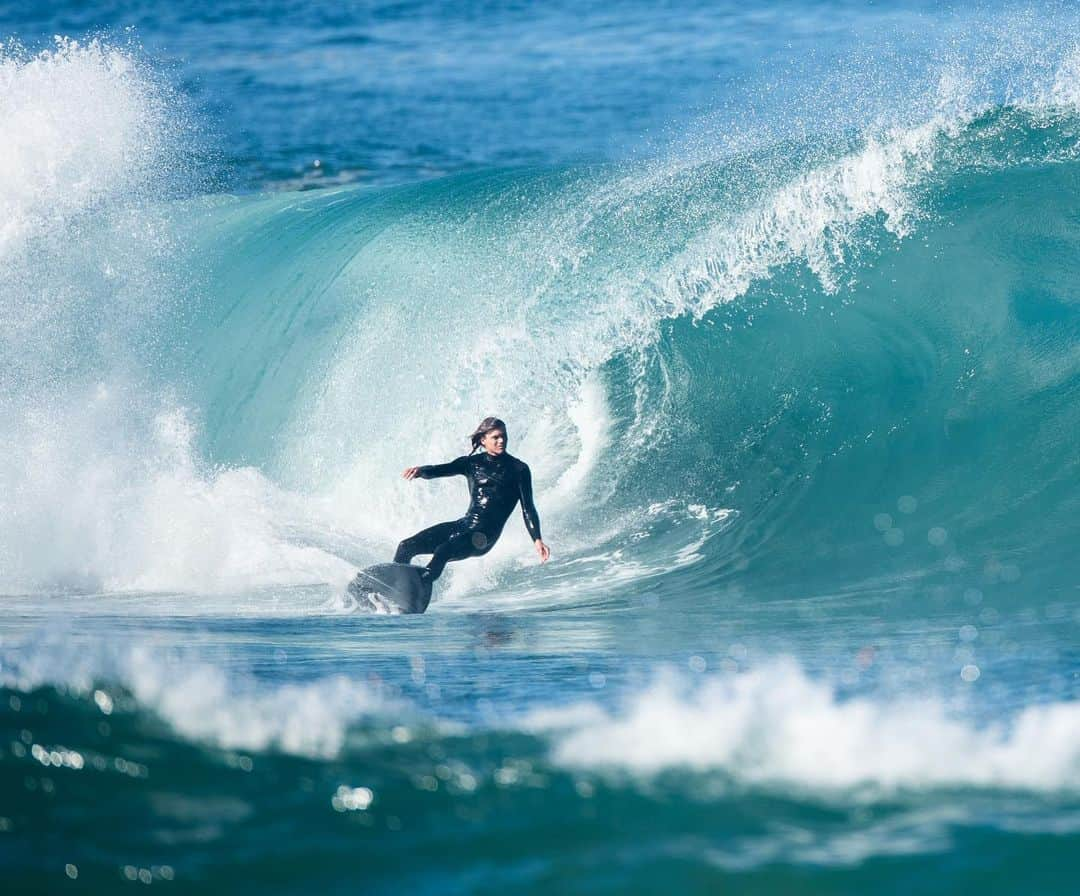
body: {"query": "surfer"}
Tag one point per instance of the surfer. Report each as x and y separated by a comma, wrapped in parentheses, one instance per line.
(497, 481)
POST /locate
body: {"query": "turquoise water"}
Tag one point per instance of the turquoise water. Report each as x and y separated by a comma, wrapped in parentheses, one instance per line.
(779, 304)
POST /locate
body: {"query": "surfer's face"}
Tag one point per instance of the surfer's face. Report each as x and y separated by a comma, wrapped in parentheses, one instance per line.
(494, 441)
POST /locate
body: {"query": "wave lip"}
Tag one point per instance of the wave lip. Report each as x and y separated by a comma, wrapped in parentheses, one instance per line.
(775, 726)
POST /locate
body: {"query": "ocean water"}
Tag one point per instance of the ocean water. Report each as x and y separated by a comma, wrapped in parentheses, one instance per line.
(780, 302)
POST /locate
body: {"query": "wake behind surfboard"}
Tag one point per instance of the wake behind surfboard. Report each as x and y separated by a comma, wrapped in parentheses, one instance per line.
(393, 587)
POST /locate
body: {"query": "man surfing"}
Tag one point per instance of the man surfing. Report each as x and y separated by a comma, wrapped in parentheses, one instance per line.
(497, 482)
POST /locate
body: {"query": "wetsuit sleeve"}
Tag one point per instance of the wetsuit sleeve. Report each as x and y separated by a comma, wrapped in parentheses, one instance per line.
(458, 467)
(528, 508)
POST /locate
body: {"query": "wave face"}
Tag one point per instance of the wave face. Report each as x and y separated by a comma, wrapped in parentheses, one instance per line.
(733, 394)
(799, 375)
(802, 417)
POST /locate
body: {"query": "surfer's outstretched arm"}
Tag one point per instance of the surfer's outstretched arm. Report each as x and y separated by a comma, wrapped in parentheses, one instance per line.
(457, 467)
(529, 514)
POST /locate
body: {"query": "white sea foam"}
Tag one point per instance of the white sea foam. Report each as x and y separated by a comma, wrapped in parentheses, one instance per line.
(307, 719)
(103, 493)
(776, 726)
(202, 702)
(81, 125)
(88, 139)
(101, 487)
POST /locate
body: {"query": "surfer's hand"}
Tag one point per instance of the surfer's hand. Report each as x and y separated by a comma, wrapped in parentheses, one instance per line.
(411, 473)
(543, 550)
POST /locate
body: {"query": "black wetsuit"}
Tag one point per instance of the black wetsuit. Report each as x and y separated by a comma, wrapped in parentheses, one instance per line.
(496, 484)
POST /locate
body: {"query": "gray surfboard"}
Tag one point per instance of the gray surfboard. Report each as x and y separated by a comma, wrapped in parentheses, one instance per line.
(397, 586)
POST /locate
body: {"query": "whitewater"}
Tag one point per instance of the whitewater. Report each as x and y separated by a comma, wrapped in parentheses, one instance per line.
(798, 385)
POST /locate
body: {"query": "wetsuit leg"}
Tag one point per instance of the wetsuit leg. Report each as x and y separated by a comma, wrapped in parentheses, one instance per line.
(463, 544)
(425, 541)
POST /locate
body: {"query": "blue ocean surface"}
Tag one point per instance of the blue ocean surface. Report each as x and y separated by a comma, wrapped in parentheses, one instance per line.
(780, 303)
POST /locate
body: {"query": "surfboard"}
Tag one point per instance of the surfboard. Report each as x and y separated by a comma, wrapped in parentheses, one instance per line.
(396, 587)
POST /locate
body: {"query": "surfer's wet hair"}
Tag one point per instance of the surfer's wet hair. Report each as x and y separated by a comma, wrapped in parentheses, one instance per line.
(486, 426)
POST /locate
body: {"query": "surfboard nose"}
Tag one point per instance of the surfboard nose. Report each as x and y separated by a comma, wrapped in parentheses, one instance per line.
(401, 585)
